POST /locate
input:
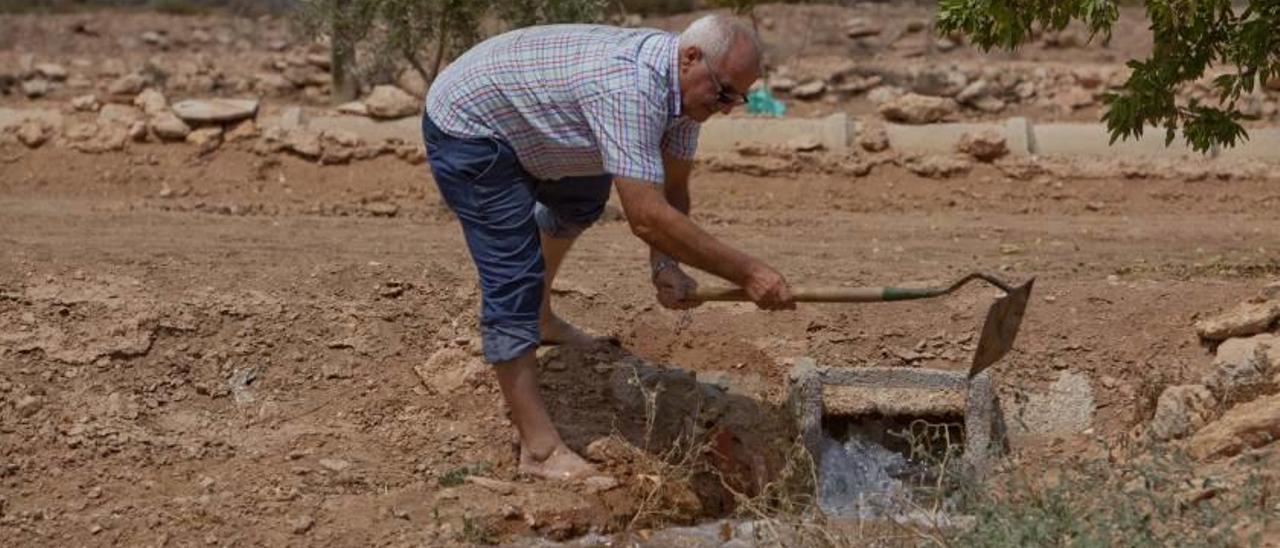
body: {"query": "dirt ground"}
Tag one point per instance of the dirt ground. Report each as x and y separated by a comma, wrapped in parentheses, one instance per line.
(237, 349)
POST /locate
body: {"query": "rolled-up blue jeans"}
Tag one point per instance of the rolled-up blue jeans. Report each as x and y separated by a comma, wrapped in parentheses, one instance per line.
(502, 208)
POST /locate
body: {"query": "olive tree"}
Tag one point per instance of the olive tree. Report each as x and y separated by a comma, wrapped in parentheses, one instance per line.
(1189, 37)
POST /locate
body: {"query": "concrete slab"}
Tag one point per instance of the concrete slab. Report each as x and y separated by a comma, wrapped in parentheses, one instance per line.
(1067, 139)
(724, 134)
(942, 138)
(893, 392)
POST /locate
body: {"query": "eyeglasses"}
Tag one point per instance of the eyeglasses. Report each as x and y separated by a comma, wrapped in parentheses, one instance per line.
(723, 97)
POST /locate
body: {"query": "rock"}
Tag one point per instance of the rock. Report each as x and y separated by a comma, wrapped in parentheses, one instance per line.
(989, 104)
(355, 108)
(939, 166)
(781, 84)
(941, 83)
(1073, 99)
(304, 143)
(27, 406)
(916, 25)
(1066, 407)
(609, 450)
(342, 138)
(1252, 424)
(86, 103)
(54, 72)
(974, 91)
(859, 27)
(127, 86)
(497, 486)
(804, 143)
(242, 131)
(945, 44)
(33, 133)
(451, 369)
(1242, 321)
(1242, 364)
(206, 138)
(272, 83)
(382, 209)
(81, 132)
(155, 39)
(335, 465)
(883, 94)
(151, 102)
(114, 114)
(301, 525)
(391, 102)
(35, 88)
(321, 61)
(872, 137)
(984, 146)
(168, 126)
(412, 83)
(857, 84)
(1270, 292)
(599, 484)
(810, 90)
(918, 109)
(138, 131)
(215, 110)
(1088, 78)
(1182, 410)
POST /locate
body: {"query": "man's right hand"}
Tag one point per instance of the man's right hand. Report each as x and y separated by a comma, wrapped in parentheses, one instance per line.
(768, 289)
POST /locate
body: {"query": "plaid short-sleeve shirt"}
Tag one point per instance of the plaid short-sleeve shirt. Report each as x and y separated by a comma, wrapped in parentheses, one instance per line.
(571, 100)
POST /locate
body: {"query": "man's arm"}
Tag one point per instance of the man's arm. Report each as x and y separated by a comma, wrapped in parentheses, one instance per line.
(670, 231)
(676, 190)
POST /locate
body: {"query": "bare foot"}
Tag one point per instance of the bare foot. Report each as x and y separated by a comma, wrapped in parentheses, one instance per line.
(561, 464)
(558, 331)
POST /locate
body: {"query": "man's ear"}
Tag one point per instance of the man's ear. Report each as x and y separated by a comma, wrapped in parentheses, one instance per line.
(689, 55)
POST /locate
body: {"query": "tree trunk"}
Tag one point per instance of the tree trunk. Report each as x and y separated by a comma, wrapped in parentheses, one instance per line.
(341, 58)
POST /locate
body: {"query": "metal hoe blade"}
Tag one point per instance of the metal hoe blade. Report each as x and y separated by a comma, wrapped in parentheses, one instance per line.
(1001, 327)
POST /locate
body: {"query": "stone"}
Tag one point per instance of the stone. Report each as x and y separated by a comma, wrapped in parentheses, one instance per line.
(939, 166)
(335, 465)
(1253, 424)
(857, 84)
(127, 86)
(804, 143)
(381, 209)
(1270, 292)
(945, 44)
(1073, 98)
(151, 102)
(86, 103)
(412, 83)
(118, 114)
(1242, 364)
(35, 88)
(354, 108)
(883, 94)
(974, 91)
(1181, 411)
(859, 27)
(215, 110)
(272, 83)
(206, 138)
(27, 406)
(301, 525)
(81, 132)
(304, 143)
(810, 90)
(391, 102)
(609, 449)
(599, 484)
(168, 126)
(940, 83)
(242, 131)
(918, 109)
(984, 146)
(872, 137)
(342, 138)
(497, 486)
(990, 104)
(1067, 407)
(52, 71)
(451, 369)
(155, 39)
(781, 84)
(1242, 321)
(1088, 78)
(138, 131)
(32, 133)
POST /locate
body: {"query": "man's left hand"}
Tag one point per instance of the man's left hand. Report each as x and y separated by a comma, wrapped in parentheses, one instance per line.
(675, 288)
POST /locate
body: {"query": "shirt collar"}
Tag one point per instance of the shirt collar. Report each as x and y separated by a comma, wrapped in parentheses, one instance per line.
(673, 76)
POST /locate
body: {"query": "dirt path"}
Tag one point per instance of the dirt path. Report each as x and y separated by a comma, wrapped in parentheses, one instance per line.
(224, 350)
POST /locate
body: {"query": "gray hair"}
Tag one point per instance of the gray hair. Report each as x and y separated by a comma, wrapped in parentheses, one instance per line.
(714, 34)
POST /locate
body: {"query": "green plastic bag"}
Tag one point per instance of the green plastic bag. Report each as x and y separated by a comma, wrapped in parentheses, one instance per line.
(760, 101)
